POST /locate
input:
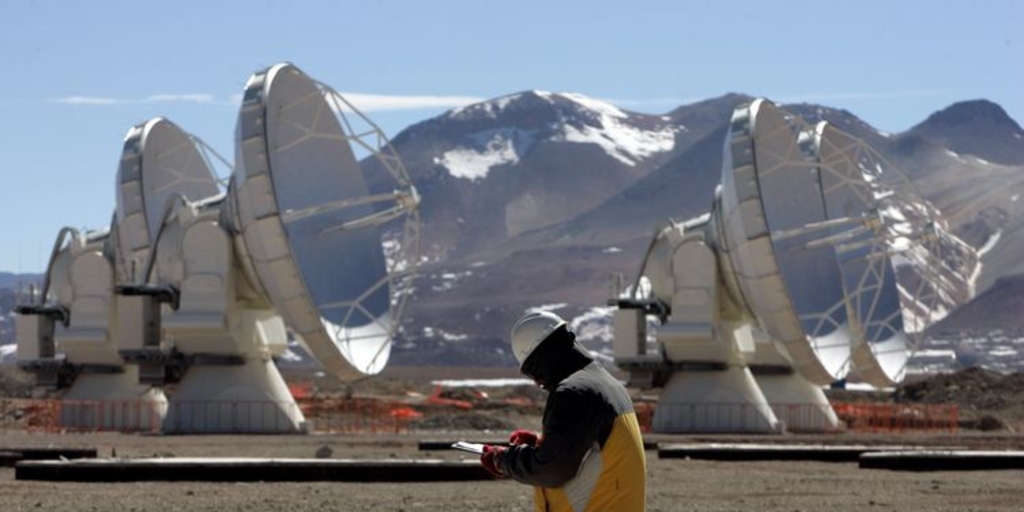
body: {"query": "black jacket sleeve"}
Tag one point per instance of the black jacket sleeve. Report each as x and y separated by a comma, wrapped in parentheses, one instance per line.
(573, 420)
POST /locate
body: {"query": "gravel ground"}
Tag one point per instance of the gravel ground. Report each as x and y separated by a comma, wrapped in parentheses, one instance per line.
(672, 484)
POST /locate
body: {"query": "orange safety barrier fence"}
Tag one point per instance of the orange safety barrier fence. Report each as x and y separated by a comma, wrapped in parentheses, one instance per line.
(737, 417)
(319, 415)
(373, 416)
(809, 418)
(878, 417)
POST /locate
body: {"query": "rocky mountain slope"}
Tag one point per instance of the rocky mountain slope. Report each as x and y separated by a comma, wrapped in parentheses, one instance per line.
(475, 289)
(540, 199)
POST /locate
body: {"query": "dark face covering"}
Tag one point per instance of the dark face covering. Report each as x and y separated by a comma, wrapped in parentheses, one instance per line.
(557, 357)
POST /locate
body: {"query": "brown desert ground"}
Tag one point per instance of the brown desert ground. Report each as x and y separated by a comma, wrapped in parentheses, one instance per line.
(672, 484)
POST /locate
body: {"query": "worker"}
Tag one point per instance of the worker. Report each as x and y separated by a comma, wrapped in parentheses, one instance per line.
(589, 455)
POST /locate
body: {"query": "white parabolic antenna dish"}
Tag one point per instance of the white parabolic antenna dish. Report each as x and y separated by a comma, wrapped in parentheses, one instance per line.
(881, 348)
(307, 222)
(159, 162)
(821, 244)
(901, 269)
(769, 194)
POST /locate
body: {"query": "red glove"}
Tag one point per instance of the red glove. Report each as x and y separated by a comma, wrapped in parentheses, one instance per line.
(489, 459)
(521, 436)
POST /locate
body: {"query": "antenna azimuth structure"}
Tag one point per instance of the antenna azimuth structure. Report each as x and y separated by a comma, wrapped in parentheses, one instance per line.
(200, 287)
(817, 263)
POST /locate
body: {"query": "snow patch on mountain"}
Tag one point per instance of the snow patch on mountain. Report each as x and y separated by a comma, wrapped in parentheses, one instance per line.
(290, 356)
(593, 324)
(433, 332)
(447, 281)
(621, 141)
(8, 353)
(599, 107)
(990, 244)
(486, 150)
(491, 108)
(550, 308)
(580, 120)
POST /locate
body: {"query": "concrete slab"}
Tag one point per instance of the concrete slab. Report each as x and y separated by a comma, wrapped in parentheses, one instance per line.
(8, 458)
(11, 455)
(943, 460)
(251, 470)
(745, 451)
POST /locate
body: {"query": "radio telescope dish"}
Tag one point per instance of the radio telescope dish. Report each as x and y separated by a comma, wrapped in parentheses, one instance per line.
(308, 224)
(159, 162)
(769, 196)
(892, 304)
(817, 261)
(300, 241)
(880, 348)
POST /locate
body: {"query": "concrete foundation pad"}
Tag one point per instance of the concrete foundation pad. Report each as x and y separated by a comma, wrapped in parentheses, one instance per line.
(251, 470)
(943, 460)
(737, 451)
(11, 455)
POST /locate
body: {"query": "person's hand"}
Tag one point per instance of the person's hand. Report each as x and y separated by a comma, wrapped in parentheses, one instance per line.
(489, 459)
(522, 436)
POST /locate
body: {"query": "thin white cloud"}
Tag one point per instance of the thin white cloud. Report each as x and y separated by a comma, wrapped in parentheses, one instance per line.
(363, 102)
(379, 102)
(85, 100)
(153, 98)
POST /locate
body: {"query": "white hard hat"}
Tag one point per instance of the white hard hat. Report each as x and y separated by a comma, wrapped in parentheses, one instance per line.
(530, 330)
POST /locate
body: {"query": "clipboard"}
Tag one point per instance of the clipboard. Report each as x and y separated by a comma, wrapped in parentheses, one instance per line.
(476, 448)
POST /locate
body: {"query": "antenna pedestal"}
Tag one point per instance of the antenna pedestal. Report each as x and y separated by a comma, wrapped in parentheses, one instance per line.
(113, 401)
(798, 403)
(246, 398)
(726, 400)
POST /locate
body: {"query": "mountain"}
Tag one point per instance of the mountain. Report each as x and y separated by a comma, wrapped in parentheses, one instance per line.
(12, 280)
(564, 254)
(542, 199)
(978, 128)
(987, 331)
(1000, 307)
(494, 170)
(968, 160)
(10, 286)
(8, 300)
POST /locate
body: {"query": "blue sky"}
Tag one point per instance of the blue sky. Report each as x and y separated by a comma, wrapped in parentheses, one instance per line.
(77, 75)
